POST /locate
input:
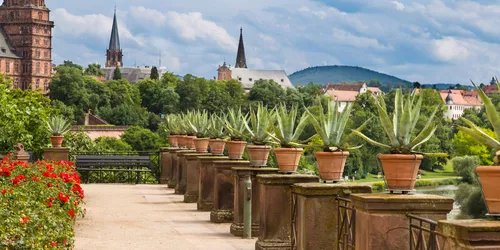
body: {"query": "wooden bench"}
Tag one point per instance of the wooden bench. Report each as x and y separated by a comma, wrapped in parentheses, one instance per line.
(131, 163)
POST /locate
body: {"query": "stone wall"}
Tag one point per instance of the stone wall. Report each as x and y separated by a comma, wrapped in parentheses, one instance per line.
(95, 132)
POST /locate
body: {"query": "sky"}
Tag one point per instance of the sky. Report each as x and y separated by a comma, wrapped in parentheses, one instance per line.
(430, 41)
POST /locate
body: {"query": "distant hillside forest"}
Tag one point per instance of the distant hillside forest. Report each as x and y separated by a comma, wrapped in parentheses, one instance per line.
(346, 74)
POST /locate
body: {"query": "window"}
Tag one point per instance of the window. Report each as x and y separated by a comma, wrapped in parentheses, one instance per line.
(37, 84)
(46, 41)
(282, 80)
(46, 85)
(7, 66)
(37, 41)
(46, 54)
(40, 15)
(16, 67)
(37, 53)
(239, 78)
(38, 68)
(46, 68)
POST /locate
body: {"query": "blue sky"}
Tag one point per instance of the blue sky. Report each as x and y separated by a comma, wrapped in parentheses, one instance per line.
(429, 41)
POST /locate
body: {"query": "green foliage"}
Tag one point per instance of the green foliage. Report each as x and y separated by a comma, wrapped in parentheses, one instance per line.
(222, 95)
(471, 201)
(142, 139)
(465, 145)
(158, 98)
(260, 122)
(125, 114)
(117, 74)
(268, 92)
(94, 69)
(39, 205)
(401, 129)
(169, 80)
(23, 118)
(216, 127)
(289, 127)
(464, 166)
(108, 144)
(235, 124)
(154, 73)
(78, 142)
(58, 126)
(192, 91)
(199, 123)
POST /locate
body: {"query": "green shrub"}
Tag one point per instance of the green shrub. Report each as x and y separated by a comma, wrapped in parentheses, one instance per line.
(108, 144)
(39, 205)
(464, 166)
(378, 186)
(471, 201)
(142, 139)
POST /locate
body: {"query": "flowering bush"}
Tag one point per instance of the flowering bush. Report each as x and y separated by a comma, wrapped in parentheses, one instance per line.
(38, 204)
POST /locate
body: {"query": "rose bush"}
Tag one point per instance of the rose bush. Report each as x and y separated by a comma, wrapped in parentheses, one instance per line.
(38, 204)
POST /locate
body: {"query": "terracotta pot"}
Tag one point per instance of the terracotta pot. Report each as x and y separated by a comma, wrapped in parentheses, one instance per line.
(331, 165)
(288, 159)
(181, 141)
(56, 141)
(172, 140)
(258, 155)
(217, 146)
(489, 177)
(201, 145)
(235, 149)
(190, 141)
(400, 171)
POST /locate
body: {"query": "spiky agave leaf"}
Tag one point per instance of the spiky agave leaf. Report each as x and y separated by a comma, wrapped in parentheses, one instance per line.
(478, 134)
(260, 122)
(286, 133)
(235, 124)
(374, 143)
(58, 125)
(491, 111)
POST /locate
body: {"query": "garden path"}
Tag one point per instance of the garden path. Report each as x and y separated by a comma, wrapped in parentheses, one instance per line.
(148, 217)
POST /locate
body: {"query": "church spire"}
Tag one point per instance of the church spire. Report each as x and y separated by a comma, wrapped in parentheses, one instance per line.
(114, 41)
(241, 61)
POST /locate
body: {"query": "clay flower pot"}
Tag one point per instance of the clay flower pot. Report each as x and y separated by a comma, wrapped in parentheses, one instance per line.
(489, 178)
(288, 159)
(201, 145)
(56, 141)
(181, 141)
(190, 141)
(235, 149)
(331, 165)
(172, 140)
(258, 155)
(400, 171)
(217, 146)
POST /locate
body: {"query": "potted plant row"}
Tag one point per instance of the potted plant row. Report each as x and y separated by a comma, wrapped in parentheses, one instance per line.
(261, 121)
(216, 142)
(489, 176)
(401, 166)
(234, 128)
(172, 124)
(57, 126)
(199, 124)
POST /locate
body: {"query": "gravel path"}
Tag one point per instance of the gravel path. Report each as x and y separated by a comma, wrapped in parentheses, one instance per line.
(148, 217)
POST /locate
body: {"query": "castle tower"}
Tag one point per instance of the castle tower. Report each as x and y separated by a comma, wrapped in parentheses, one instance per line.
(224, 73)
(114, 56)
(241, 61)
(29, 30)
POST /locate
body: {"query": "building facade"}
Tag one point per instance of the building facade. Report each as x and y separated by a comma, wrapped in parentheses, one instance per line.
(247, 77)
(343, 94)
(26, 43)
(457, 101)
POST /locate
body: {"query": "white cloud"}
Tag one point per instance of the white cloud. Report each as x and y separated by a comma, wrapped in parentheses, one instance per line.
(450, 49)
(346, 38)
(398, 5)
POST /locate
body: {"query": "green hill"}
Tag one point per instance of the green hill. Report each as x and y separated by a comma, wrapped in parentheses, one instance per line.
(339, 74)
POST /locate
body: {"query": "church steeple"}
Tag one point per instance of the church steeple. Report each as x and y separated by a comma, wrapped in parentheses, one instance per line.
(114, 53)
(241, 61)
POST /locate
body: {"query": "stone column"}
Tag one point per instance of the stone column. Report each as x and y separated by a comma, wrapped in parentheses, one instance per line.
(317, 212)
(276, 209)
(56, 154)
(206, 182)
(239, 191)
(381, 221)
(470, 234)
(166, 165)
(222, 211)
(172, 183)
(180, 187)
(192, 177)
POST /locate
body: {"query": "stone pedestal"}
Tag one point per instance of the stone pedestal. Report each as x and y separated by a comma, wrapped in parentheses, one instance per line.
(56, 154)
(192, 177)
(317, 212)
(166, 164)
(239, 191)
(470, 234)
(180, 187)
(276, 205)
(206, 182)
(222, 211)
(381, 221)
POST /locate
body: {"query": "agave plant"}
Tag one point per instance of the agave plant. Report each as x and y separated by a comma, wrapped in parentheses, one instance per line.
(288, 130)
(216, 127)
(58, 126)
(330, 127)
(199, 123)
(493, 117)
(402, 127)
(187, 119)
(235, 124)
(261, 121)
(173, 124)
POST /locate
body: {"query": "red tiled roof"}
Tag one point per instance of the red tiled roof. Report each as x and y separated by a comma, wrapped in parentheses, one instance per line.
(490, 89)
(342, 96)
(462, 97)
(345, 86)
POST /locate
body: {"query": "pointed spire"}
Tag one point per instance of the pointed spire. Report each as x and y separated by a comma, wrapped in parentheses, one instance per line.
(114, 42)
(241, 61)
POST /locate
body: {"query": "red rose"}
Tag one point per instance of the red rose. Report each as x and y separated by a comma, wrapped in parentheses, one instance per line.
(4, 191)
(49, 184)
(63, 197)
(53, 244)
(71, 213)
(25, 220)
(49, 204)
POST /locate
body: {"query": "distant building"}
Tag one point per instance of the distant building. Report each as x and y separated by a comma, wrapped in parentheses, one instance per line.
(344, 94)
(26, 43)
(247, 77)
(96, 127)
(114, 59)
(457, 101)
(490, 89)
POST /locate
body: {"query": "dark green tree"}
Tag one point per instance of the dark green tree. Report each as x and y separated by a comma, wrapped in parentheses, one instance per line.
(269, 92)
(158, 98)
(192, 92)
(141, 139)
(94, 69)
(117, 74)
(154, 73)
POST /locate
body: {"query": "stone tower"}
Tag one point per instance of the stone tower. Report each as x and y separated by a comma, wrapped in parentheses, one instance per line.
(224, 73)
(29, 30)
(114, 54)
(241, 60)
